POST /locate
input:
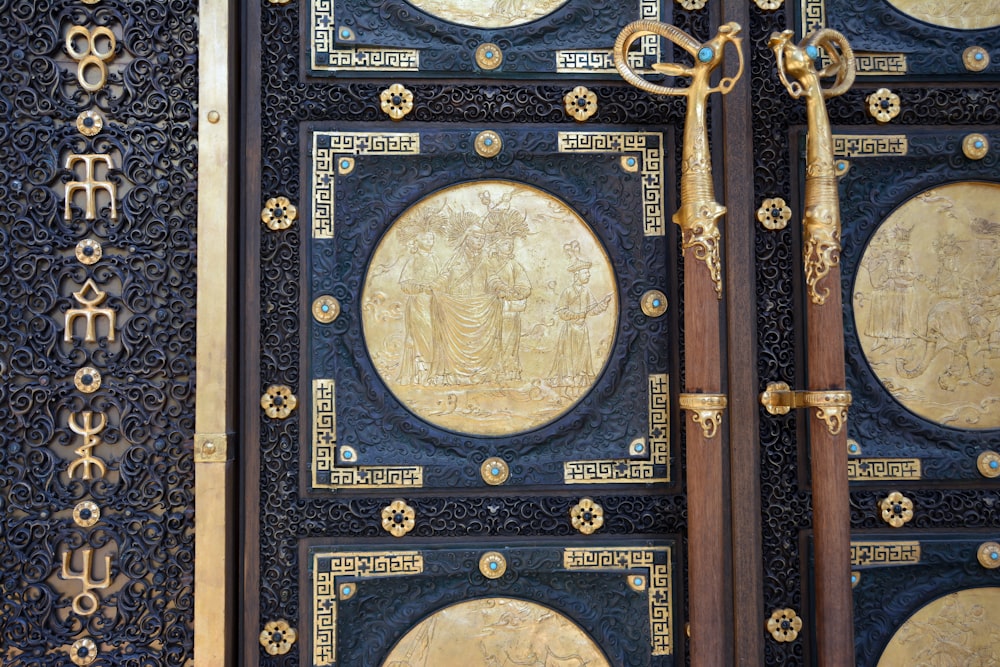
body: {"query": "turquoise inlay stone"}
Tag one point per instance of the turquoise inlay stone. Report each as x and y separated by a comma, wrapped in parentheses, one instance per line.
(854, 578)
(637, 581)
(631, 162)
(995, 464)
(853, 448)
(345, 33)
(493, 566)
(656, 303)
(639, 448)
(812, 51)
(979, 143)
(325, 308)
(345, 164)
(994, 555)
(495, 471)
(705, 54)
(978, 56)
(347, 455)
(488, 142)
(489, 54)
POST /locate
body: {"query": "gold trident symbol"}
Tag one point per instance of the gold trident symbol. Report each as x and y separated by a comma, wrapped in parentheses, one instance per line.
(90, 185)
(89, 584)
(90, 312)
(90, 440)
(699, 212)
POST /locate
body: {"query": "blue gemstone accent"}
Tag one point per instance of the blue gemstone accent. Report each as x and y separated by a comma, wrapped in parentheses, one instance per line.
(347, 590)
(488, 142)
(637, 581)
(489, 54)
(841, 166)
(631, 162)
(639, 448)
(994, 555)
(325, 308)
(853, 448)
(495, 471)
(345, 164)
(995, 464)
(347, 455)
(854, 578)
(705, 54)
(979, 143)
(978, 56)
(656, 303)
(493, 566)
(812, 51)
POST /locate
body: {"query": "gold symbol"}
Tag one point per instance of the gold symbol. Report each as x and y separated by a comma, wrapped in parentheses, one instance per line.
(278, 213)
(86, 578)
(90, 312)
(774, 214)
(93, 56)
(89, 123)
(83, 651)
(581, 103)
(398, 518)
(488, 143)
(88, 251)
(493, 565)
(89, 185)
(489, 56)
(989, 555)
(896, 508)
(495, 471)
(325, 309)
(784, 625)
(976, 58)
(883, 105)
(397, 101)
(277, 637)
(278, 401)
(90, 440)
(87, 380)
(86, 514)
(654, 303)
(587, 516)
(975, 146)
(989, 464)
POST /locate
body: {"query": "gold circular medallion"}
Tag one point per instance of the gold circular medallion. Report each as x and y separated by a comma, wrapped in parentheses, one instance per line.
(325, 309)
(493, 565)
(488, 143)
(278, 401)
(784, 625)
(86, 514)
(277, 637)
(278, 213)
(83, 652)
(88, 251)
(87, 380)
(976, 58)
(89, 123)
(495, 471)
(489, 56)
(398, 518)
(975, 146)
(989, 464)
(654, 303)
(989, 555)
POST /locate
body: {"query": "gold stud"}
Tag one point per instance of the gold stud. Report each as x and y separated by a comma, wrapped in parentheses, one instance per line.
(397, 101)
(774, 214)
(493, 565)
(86, 514)
(398, 518)
(278, 401)
(883, 105)
(89, 123)
(494, 471)
(278, 213)
(489, 56)
(784, 625)
(83, 652)
(587, 516)
(580, 103)
(989, 555)
(976, 58)
(488, 143)
(87, 380)
(326, 309)
(88, 251)
(896, 508)
(975, 146)
(653, 303)
(277, 637)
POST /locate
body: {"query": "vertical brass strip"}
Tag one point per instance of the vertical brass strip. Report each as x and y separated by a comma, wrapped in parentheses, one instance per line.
(214, 615)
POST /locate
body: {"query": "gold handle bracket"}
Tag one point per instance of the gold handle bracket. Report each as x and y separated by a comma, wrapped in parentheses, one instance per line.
(706, 410)
(831, 405)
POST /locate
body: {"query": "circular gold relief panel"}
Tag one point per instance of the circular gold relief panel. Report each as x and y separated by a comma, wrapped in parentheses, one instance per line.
(927, 304)
(488, 13)
(962, 628)
(495, 631)
(489, 308)
(961, 15)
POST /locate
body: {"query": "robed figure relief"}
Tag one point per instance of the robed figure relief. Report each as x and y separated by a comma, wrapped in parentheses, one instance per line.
(927, 304)
(479, 308)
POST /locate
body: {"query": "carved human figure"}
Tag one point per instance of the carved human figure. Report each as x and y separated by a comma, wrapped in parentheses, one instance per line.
(890, 317)
(509, 281)
(416, 281)
(573, 367)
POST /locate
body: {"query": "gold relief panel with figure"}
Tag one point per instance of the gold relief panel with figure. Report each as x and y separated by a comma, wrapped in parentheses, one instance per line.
(507, 308)
(927, 304)
(960, 15)
(488, 13)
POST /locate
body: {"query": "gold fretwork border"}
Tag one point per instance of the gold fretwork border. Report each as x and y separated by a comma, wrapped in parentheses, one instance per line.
(324, 452)
(601, 61)
(618, 471)
(870, 145)
(875, 554)
(326, 166)
(877, 469)
(658, 589)
(360, 59)
(326, 590)
(650, 147)
(813, 17)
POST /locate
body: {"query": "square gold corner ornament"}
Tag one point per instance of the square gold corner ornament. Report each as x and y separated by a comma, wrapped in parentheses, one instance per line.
(502, 318)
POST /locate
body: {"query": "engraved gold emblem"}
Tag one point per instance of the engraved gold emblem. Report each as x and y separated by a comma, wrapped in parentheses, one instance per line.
(86, 601)
(896, 509)
(83, 652)
(493, 565)
(278, 213)
(976, 58)
(278, 401)
(488, 143)
(975, 146)
(653, 303)
(489, 56)
(494, 471)
(883, 105)
(326, 309)
(988, 464)
(580, 103)
(277, 637)
(587, 516)
(88, 251)
(964, 16)
(86, 514)
(398, 518)
(784, 625)
(89, 123)
(989, 555)
(87, 380)
(397, 101)
(774, 214)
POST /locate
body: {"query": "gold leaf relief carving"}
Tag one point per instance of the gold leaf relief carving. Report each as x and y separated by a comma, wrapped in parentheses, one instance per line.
(962, 15)
(489, 13)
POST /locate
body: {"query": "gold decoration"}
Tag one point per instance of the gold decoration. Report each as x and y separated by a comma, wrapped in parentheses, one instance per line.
(883, 105)
(989, 555)
(213, 116)
(89, 123)
(278, 213)
(896, 509)
(325, 309)
(768, 5)
(629, 163)
(774, 214)
(488, 143)
(653, 303)
(91, 439)
(699, 213)
(90, 296)
(691, 5)
(495, 631)
(278, 401)
(86, 578)
(83, 651)
(504, 14)
(90, 184)
(398, 518)
(784, 625)
(493, 565)
(975, 146)
(88, 251)
(279, 2)
(87, 379)
(831, 406)
(93, 56)
(796, 65)
(581, 103)
(976, 58)
(705, 409)
(86, 514)
(489, 56)
(963, 16)
(636, 582)
(883, 469)
(855, 579)
(494, 471)
(345, 165)
(884, 553)
(988, 464)
(397, 101)
(277, 637)
(587, 516)
(211, 447)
